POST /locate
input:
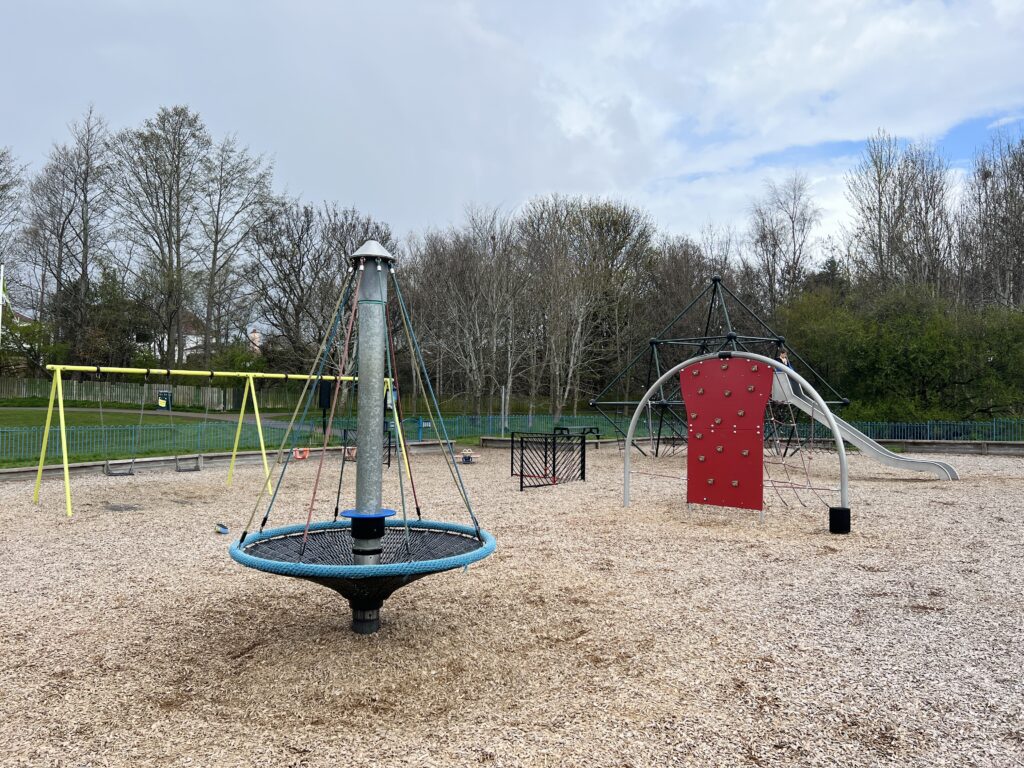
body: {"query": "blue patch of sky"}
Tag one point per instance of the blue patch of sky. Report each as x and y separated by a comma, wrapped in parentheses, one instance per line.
(806, 155)
(963, 141)
(959, 145)
(796, 156)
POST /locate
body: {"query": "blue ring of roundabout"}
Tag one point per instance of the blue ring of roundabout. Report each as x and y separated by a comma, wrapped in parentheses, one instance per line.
(407, 568)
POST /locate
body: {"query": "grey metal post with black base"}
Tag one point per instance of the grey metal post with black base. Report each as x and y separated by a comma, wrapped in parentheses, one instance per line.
(368, 516)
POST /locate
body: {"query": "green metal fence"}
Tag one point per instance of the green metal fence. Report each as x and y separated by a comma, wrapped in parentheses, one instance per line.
(24, 443)
(996, 430)
(91, 442)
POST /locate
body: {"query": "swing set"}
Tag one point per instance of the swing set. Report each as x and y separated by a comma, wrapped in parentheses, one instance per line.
(182, 462)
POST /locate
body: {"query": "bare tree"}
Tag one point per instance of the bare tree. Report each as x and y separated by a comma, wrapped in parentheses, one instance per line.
(618, 244)
(10, 215)
(345, 229)
(449, 298)
(926, 259)
(564, 252)
(781, 227)
(46, 238)
(233, 193)
(297, 272)
(879, 191)
(502, 282)
(903, 223)
(11, 182)
(292, 277)
(467, 288)
(157, 183)
(90, 224)
(682, 269)
(990, 253)
(720, 246)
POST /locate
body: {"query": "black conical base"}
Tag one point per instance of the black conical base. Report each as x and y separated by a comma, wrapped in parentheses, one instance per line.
(366, 617)
(367, 596)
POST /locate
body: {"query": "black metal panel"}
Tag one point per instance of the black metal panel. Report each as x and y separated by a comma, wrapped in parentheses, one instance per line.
(540, 459)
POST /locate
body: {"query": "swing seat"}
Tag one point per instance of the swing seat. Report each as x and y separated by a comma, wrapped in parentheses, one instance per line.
(188, 463)
(119, 468)
(300, 453)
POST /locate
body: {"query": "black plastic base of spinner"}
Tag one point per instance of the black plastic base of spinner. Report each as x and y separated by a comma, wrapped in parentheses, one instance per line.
(838, 519)
(366, 616)
(366, 597)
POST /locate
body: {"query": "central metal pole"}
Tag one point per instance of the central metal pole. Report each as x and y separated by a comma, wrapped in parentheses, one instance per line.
(373, 292)
(374, 261)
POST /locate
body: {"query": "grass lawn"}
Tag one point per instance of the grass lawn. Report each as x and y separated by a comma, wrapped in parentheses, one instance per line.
(36, 417)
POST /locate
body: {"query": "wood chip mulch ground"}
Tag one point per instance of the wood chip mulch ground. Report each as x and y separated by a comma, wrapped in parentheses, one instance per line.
(594, 636)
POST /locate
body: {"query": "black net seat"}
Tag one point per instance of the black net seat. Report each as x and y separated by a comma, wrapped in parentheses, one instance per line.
(333, 546)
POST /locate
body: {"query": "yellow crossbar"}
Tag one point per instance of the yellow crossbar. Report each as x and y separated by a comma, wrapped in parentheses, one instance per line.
(204, 374)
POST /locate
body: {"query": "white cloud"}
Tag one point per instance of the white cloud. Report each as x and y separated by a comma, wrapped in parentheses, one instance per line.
(410, 110)
(1003, 121)
(714, 87)
(725, 198)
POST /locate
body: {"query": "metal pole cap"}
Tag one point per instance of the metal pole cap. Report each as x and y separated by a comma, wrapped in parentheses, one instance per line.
(372, 250)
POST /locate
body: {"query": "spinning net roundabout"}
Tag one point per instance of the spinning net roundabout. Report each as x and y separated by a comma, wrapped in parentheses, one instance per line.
(323, 554)
(365, 553)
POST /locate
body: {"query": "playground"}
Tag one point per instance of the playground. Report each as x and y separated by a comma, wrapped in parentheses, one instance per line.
(725, 584)
(673, 634)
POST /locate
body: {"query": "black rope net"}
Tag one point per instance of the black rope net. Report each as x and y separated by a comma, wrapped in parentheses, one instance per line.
(333, 546)
(795, 445)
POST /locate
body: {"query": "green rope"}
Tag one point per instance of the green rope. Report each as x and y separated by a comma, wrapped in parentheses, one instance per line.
(398, 426)
(406, 319)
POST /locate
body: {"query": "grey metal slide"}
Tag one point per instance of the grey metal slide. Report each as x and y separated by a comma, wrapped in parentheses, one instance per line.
(783, 392)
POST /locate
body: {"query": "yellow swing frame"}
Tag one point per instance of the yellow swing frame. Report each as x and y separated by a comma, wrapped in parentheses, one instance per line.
(57, 394)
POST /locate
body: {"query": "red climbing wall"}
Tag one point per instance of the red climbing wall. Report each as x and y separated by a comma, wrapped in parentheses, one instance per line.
(725, 402)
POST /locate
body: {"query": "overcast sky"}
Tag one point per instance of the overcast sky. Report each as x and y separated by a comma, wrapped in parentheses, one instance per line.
(411, 110)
